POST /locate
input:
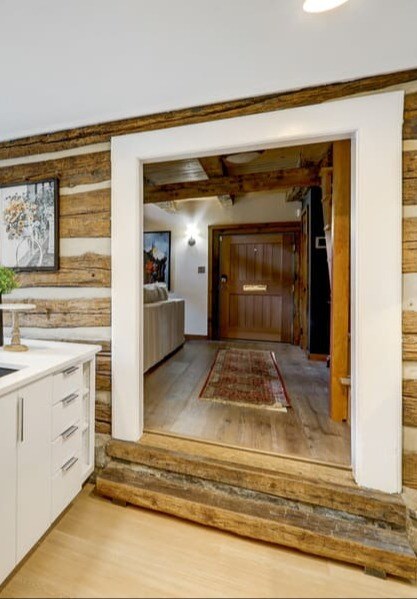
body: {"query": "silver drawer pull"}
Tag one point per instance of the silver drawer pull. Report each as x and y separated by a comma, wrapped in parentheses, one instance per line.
(69, 399)
(69, 432)
(70, 370)
(68, 465)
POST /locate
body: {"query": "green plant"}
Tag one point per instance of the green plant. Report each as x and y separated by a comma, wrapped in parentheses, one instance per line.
(8, 280)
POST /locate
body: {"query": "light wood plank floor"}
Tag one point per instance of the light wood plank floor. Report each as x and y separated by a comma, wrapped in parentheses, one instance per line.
(101, 550)
(172, 406)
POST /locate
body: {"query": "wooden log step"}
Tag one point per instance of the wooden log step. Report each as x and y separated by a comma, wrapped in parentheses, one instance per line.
(351, 499)
(263, 517)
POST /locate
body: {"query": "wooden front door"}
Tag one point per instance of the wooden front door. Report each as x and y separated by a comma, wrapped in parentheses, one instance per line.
(257, 286)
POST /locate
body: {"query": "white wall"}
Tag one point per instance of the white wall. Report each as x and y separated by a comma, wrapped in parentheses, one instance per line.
(195, 217)
(81, 62)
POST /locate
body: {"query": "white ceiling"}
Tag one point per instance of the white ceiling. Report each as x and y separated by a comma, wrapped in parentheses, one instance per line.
(71, 62)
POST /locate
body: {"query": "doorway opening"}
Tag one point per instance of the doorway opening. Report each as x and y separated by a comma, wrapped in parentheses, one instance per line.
(376, 309)
(238, 272)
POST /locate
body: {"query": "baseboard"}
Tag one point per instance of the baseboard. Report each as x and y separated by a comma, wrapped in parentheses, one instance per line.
(318, 357)
(196, 337)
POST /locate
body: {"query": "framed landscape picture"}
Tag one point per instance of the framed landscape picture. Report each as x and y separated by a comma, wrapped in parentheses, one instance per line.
(29, 236)
(157, 257)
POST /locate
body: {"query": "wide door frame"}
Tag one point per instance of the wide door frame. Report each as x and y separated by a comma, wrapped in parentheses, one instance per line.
(374, 124)
(214, 234)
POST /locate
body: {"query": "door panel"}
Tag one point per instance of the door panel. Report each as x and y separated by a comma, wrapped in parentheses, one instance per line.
(34, 464)
(256, 286)
(8, 469)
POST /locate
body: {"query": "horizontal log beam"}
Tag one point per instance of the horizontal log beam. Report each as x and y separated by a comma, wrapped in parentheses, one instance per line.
(81, 136)
(410, 403)
(71, 171)
(212, 165)
(410, 117)
(409, 322)
(229, 185)
(85, 214)
(103, 428)
(410, 347)
(410, 245)
(103, 373)
(103, 412)
(410, 164)
(410, 191)
(64, 313)
(409, 256)
(410, 470)
(87, 270)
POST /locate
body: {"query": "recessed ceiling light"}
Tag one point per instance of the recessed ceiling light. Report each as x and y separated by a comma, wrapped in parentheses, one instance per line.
(322, 5)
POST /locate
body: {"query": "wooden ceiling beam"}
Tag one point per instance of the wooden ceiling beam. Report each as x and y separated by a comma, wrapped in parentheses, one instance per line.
(297, 194)
(214, 167)
(233, 185)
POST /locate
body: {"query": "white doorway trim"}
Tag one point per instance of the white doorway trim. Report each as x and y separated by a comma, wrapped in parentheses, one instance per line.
(374, 123)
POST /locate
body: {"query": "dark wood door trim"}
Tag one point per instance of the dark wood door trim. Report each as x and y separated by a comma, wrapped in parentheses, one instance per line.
(214, 233)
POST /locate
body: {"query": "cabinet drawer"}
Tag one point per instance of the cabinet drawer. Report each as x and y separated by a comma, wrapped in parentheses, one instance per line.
(66, 446)
(66, 413)
(67, 381)
(65, 485)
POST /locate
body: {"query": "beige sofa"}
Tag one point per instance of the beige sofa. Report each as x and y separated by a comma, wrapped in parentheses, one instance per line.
(163, 324)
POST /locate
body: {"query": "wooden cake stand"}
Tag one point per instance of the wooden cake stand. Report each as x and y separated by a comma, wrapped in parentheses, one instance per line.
(15, 309)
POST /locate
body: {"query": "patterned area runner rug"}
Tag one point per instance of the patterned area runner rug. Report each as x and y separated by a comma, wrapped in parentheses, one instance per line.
(246, 377)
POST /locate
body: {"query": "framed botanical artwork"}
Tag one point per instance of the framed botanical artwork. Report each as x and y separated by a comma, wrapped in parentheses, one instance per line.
(29, 221)
(157, 257)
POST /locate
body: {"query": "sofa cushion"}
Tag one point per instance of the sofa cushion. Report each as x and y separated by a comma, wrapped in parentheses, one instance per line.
(162, 291)
(150, 294)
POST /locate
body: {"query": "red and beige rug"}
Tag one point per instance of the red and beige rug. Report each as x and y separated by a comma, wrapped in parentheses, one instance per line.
(246, 377)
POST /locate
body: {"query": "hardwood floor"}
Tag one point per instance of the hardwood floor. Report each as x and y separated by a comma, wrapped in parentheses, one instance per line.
(305, 431)
(99, 549)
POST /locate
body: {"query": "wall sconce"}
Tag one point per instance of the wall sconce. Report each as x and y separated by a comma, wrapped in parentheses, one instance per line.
(192, 234)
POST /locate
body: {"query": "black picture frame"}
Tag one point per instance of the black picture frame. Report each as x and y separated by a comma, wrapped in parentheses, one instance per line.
(54, 183)
(162, 239)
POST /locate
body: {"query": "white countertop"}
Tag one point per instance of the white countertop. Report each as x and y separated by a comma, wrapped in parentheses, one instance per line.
(43, 358)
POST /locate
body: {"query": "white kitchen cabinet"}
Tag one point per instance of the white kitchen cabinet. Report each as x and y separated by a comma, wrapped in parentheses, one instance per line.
(46, 440)
(33, 464)
(8, 469)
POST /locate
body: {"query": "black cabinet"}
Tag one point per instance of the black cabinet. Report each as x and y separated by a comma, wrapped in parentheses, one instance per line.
(317, 302)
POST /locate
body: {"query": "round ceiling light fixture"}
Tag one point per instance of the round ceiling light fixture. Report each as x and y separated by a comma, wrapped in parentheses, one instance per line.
(243, 158)
(322, 5)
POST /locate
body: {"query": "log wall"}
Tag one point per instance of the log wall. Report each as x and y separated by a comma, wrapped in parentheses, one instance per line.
(74, 303)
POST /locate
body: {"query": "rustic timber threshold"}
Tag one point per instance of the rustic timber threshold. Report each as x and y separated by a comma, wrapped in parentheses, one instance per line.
(314, 508)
